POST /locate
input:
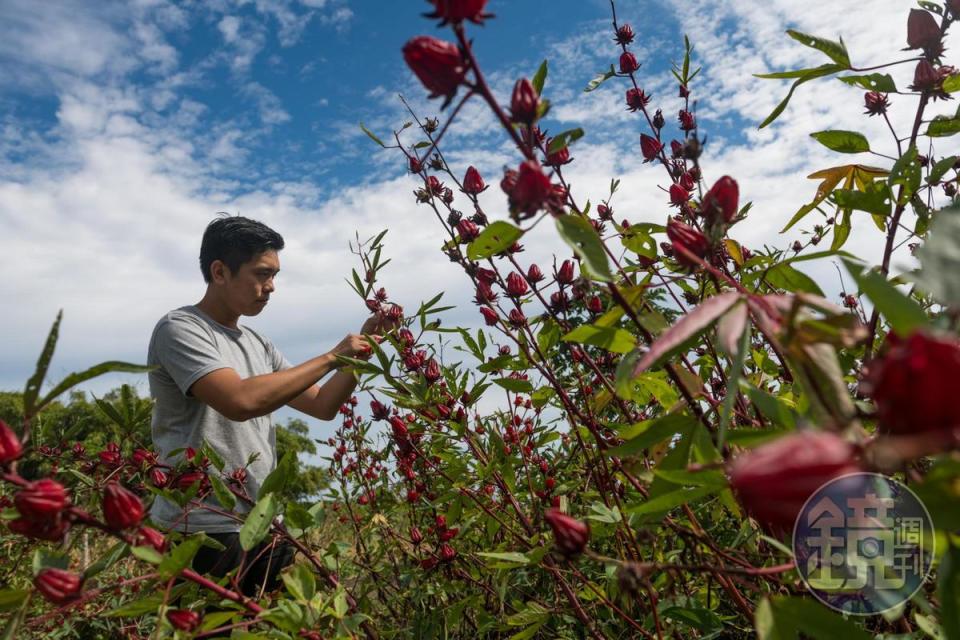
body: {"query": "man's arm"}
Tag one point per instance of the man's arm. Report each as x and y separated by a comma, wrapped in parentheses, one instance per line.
(323, 402)
(242, 399)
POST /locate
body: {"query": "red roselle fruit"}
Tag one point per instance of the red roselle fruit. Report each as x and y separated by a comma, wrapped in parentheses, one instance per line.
(923, 32)
(628, 62)
(183, 620)
(650, 147)
(721, 202)
(439, 65)
(774, 480)
(637, 99)
(534, 275)
(473, 182)
(683, 236)
(876, 103)
(41, 500)
(159, 478)
(571, 535)
(379, 410)
(489, 315)
(432, 371)
(678, 195)
(531, 190)
(447, 553)
(516, 285)
(415, 536)
(458, 11)
(150, 537)
(925, 77)
(10, 446)
(524, 102)
(467, 230)
(122, 509)
(52, 530)
(914, 384)
(565, 273)
(624, 34)
(58, 585)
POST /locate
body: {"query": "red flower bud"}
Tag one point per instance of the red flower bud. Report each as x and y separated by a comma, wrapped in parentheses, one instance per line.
(516, 285)
(51, 530)
(467, 230)
(142, 457)
(399, 427)
(380, 411)
(624, 35)
(925, 77)
(447, 553)
(774, 480)
(688, 122)
(110, 457)
(458, 10)
(923, 32)
(405, 337)
(41, 500)
(637, 99)
(565, 273)
(473, 182)
(683, 236)
(721, 202)
(159, 477)
(150, 537)
(10, 446)
(517, 319)
(489, 315)
(415, 165)
(438, 64)
(58, 585)
(415, 536)
(432, 371)
(532, 189)
(183, 620)
(122, 509)
(188, 479)
(534, 275)
(913, 383)
(559, 157)
(650, 147)
(594, 304)
(876, 103)
(524, 102)
(484, 294)
(413, 495)
(678, 195)
(570, 535)
(628, 62)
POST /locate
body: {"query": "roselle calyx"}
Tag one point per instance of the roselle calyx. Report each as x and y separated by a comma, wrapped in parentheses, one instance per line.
(650, 147)
(158, 477)
(122, 509)
(569, 534)
(473, 182)
(454, 11)
(624, 35)
(637, 99)
(52, 530)
(516, 285)
(565, 272)
(628, 62)
(678, 195)
(59, 586)
(720, 204)
(534, 275)
(183, 620)
(10, 445)
(876, 103)
(684, 237)
(42, 500)
(923, 32)
(774, 480)
(530, 192)
(524, 102)
(913, 383)
(489, 315)
(150, 537)
(439, 65)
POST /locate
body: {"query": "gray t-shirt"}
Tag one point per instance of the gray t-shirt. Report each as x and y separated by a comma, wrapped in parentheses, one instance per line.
(187, 344)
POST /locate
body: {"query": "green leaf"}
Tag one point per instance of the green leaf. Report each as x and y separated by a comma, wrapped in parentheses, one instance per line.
(300, 582)
(493, 240)
(564, 139)
(258, 522)
(842, 141)
(906, 173)
(12, 598)
(784, 618)
(948, 590)
(107, 560)
(903, 313)
(549, 335)
(653, 432)
(881, 82)
(515, 385)
(280, 478)
(940, 258)
(372, 137)
(940, 169)
(139, 607)
(180, 557)
(214, 619)
(786, 277)
(98, 370)
(49, 559)
(809, 74)
(540, 78)
(876, 199)
(580, 235)
(612, 339)
(601, 77)
(771, 407)
(220, 490)
(943, 127)
(952, 83)
(671, 500)
(147, 554)
(836, 51)
(505, 560)
(686, 329)
(32, 389)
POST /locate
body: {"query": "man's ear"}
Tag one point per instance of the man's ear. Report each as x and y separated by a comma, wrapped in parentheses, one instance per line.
(218, 271)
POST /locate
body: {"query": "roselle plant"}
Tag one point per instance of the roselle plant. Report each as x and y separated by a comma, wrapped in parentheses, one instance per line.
(621, 449)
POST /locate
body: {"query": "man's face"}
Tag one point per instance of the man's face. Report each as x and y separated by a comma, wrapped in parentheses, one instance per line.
(248, 290)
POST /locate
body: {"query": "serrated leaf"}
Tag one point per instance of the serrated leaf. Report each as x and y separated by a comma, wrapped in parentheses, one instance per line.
(943, 127)
(280, 478)
(842, 141)
(881, 82)
(580, 236)
(226, 499)
(493, 240)
(515, 385)
(876, 200)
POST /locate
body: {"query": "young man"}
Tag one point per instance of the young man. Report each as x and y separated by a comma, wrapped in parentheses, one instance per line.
(218, 381)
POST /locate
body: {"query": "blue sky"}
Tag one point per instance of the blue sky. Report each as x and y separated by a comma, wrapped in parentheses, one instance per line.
(125, 126)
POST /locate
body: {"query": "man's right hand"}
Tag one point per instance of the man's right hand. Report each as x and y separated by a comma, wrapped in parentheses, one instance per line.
(355, 345)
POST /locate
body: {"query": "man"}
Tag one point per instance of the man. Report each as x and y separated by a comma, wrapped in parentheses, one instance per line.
(218, 381)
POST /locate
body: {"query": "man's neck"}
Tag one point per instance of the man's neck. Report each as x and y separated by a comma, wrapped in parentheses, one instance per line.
(218, 312)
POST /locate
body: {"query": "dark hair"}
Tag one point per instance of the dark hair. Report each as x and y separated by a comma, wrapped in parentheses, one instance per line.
(235, 240)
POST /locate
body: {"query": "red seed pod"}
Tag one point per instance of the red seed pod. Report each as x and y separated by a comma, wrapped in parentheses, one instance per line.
(628, 62)
(516, 285)
(517, 319)
(58, 585)
(534, 275)
(925, 77)
(432, 371)
(624, 35)
(183, 620)
(571, 535)
(41, 500)
(875, 103)
(150, 537)
(379, 410)
(683, 236)
(637, 99)
(10, 446)
(489, 315)
(559, 157)
(531, 190)
(678, 195)
(415, 536)
(565, 273)
(52, 530)
(923, 32)
(122, 509)
(454, 11)
(439, 65)
(650, 147)
(467, 230)
(524, 102)
(594, 304)
(773, 481)
(447, 553)
(473, 182)
(188, 479)
(159, 478)
(688, 122)
(913, 383)
(721, 202)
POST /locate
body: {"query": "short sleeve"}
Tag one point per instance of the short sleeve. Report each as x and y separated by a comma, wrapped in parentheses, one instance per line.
(186, 352)
(277, 359)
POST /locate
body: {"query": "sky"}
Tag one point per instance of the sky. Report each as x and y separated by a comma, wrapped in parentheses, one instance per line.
(126, 126)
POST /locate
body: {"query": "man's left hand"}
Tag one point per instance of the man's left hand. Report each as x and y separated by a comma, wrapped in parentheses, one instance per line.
(380, 323)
